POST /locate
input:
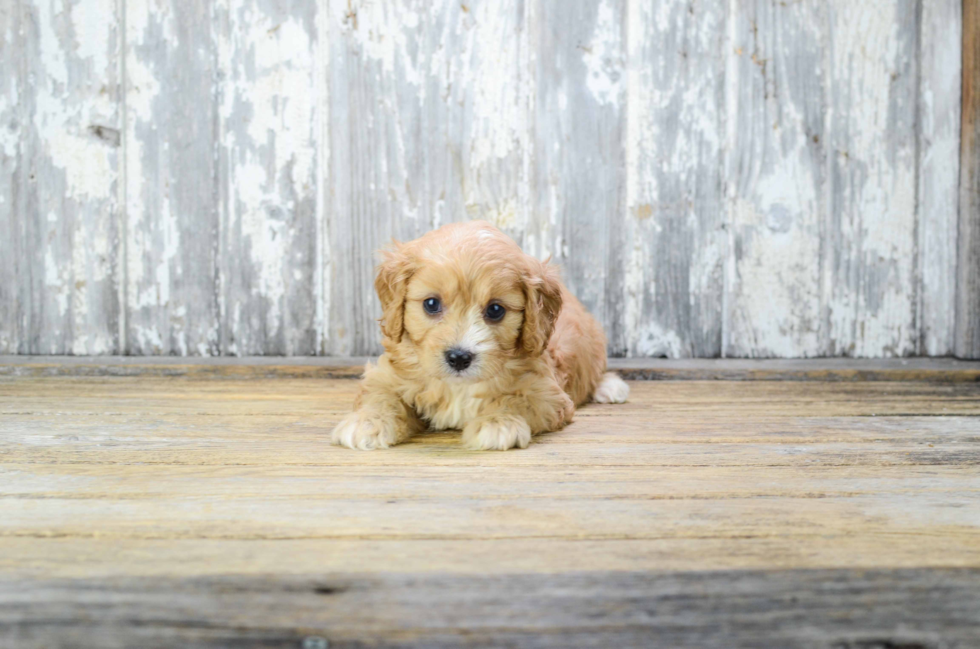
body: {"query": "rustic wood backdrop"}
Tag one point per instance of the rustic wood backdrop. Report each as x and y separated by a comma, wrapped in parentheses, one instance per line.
(717, 177)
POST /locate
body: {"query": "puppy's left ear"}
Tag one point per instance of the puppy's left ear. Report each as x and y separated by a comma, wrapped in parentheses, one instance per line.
(542, 291)
(391, 284)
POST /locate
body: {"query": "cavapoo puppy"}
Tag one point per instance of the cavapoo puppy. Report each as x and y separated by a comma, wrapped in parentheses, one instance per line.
(478, 336)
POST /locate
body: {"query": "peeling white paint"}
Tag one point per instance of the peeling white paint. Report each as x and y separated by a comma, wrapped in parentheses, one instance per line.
(489, 77)
(381, 29)
(938, 198)
(878, 188)
(773, 295)
(603, 59)
(458, 120)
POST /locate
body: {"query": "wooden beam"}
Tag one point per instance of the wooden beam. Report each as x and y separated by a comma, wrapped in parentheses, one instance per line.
(934, 370)
(967, 344)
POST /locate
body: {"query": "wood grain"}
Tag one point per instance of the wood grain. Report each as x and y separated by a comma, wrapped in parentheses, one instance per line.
(968, 274)
(268, 164)
(777, 92)
(58, 201)
(673, 251)
(937, 370)
(940, 76)
(173, 510)
(172, 209)
(837, 608)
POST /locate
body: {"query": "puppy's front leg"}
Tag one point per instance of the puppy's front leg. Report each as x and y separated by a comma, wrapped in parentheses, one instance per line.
(509, 420)
(380, 418)
(497, 433)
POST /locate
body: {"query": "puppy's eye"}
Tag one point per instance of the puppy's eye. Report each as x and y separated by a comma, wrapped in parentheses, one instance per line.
(432, 305)
(495, 312)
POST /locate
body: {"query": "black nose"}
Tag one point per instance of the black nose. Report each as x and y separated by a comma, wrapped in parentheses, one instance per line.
(458, 359)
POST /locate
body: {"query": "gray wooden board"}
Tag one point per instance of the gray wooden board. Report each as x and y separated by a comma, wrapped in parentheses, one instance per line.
(940, 51)
(748, 179)
(172, 239)
(12, 339)
(909, 608)
(268, 162)
(776, 174)
(673, 252)
(869, 259)
(60, 162)
(825, 369)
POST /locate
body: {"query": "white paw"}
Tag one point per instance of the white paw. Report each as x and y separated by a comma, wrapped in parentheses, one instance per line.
(366, 431)
(612, 389)
(497, 433)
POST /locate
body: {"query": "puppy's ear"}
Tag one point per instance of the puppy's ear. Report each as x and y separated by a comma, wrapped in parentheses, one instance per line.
(542, 290)
(391, 283)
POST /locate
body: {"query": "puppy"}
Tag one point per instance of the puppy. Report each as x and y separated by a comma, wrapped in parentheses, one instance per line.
(478, 336)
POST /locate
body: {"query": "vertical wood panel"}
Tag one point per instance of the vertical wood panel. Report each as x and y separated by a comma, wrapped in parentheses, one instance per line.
(777, 100)
(267, 176)
(578, 185)
(171, 180)
(968, 260)
(12, 102)
(939, 170)
(60, 197)
(425, 129)
(675, 248)
(870, 249)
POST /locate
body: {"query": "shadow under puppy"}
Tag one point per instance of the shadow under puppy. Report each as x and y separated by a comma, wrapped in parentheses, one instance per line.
(478, 336)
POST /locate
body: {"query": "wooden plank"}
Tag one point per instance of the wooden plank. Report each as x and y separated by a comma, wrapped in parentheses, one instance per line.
(968, 260)
(268, 175)
(869, 253)
(777, 98)
(172, 210)
(12, 127)
(92, 557)
(709, 398)
(135, 482)
(824, 156)
(60, 211)
(939, 120)
(941, 370)
(578, 156)
(425, 123)
(841, 608)
(674, 244)
(455, 517)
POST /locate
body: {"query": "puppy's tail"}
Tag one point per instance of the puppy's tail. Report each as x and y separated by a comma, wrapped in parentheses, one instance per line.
(611, 389)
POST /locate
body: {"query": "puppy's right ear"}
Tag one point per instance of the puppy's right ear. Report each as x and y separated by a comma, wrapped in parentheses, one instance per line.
(542, 288)
(391, 283)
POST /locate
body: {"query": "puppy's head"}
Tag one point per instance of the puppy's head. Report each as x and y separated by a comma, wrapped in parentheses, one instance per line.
(466, 299)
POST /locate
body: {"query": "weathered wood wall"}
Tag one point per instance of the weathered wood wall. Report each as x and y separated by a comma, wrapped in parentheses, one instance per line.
(717, 177)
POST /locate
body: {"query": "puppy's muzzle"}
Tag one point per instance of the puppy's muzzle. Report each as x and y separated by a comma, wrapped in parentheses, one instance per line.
(458, 359)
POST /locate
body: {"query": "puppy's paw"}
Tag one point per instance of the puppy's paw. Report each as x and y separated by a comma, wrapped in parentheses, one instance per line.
(366, 430)
(612, 389)
(497, 433)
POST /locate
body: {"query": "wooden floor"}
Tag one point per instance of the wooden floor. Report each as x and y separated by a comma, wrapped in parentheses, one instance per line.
(183, 511)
